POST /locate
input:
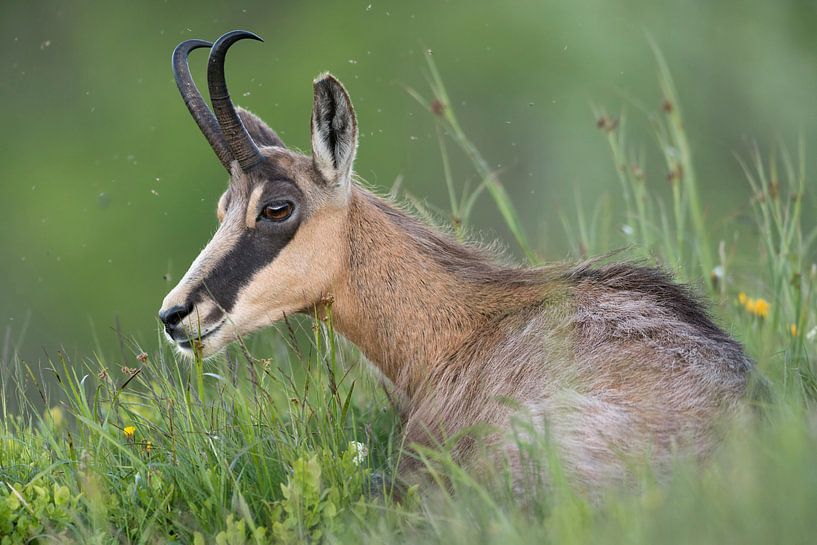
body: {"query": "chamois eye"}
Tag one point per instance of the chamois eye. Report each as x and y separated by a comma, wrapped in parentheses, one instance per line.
(277, 211)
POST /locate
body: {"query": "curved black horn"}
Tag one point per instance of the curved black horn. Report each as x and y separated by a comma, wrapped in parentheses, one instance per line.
(195, 103)
(240, 142)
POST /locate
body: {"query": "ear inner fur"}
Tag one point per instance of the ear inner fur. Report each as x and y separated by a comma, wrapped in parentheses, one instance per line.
(334, 130)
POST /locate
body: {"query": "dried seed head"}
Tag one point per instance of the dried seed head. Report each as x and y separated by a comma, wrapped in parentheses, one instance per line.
(607, 123)
(774, 189)
(676, 174)
(437, 107)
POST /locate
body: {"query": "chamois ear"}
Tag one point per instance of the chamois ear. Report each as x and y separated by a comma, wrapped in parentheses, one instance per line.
(260, 132)
(334, 131)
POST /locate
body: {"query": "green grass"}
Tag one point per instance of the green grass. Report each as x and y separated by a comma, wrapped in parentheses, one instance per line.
(279, 440)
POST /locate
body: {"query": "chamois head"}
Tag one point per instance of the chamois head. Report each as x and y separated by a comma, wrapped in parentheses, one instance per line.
(281, 219)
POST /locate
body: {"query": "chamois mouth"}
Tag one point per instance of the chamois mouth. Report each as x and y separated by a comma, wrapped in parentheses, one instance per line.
(181, 339)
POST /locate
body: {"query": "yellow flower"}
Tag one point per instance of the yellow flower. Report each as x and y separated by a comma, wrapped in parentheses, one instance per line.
(762, 308)
(129, 431)
(793, 330)
(148, 447)
(759, 307)
(55, 415)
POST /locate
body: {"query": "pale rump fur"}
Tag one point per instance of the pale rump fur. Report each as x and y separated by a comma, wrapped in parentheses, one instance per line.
(610, 364)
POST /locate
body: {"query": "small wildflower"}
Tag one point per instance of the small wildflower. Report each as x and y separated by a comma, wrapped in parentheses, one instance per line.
(103, 374)
(762, 308)
(130, 371)
(130, 432)
(360, 452)
(55, 415)
(793, 330)
(148, 447)
(759, 307)
(143, 357)
(717, 275)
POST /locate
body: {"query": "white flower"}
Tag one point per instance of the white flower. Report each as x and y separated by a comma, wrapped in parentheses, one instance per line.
(360, 451)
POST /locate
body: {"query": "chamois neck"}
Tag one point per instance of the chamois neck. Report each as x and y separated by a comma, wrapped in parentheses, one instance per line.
(411, 296)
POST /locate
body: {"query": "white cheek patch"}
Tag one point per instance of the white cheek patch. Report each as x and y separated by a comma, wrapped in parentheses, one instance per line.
(252, 207)
(221, 207)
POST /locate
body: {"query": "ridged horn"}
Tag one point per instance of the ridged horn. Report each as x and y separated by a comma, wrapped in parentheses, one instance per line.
(201, 113)
(238, 139)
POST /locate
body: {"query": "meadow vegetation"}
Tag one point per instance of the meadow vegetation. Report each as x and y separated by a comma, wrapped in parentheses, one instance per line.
(285, 437)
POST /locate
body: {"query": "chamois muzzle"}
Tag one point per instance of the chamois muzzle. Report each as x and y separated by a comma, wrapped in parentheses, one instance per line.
(238, 139)
(174, 315)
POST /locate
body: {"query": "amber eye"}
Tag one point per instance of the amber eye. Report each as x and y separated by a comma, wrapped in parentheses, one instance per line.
(277, 211)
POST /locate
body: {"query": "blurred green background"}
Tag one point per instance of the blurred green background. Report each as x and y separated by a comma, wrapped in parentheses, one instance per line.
(109, 190)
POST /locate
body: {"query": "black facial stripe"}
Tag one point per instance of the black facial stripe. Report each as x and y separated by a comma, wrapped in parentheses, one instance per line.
(213, 316)
(255, 249)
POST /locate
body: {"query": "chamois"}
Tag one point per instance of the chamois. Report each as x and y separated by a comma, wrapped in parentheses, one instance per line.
(615, 362)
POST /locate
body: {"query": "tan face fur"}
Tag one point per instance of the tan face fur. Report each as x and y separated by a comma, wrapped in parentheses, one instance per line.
(254, 271)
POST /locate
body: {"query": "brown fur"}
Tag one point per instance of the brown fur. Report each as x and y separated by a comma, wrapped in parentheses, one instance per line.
(617, 361)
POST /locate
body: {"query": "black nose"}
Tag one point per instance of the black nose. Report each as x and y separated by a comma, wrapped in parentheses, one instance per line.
(172, 316)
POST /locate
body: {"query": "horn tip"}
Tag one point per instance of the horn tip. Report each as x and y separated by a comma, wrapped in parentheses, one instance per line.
(235, 35)
(190, 45)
